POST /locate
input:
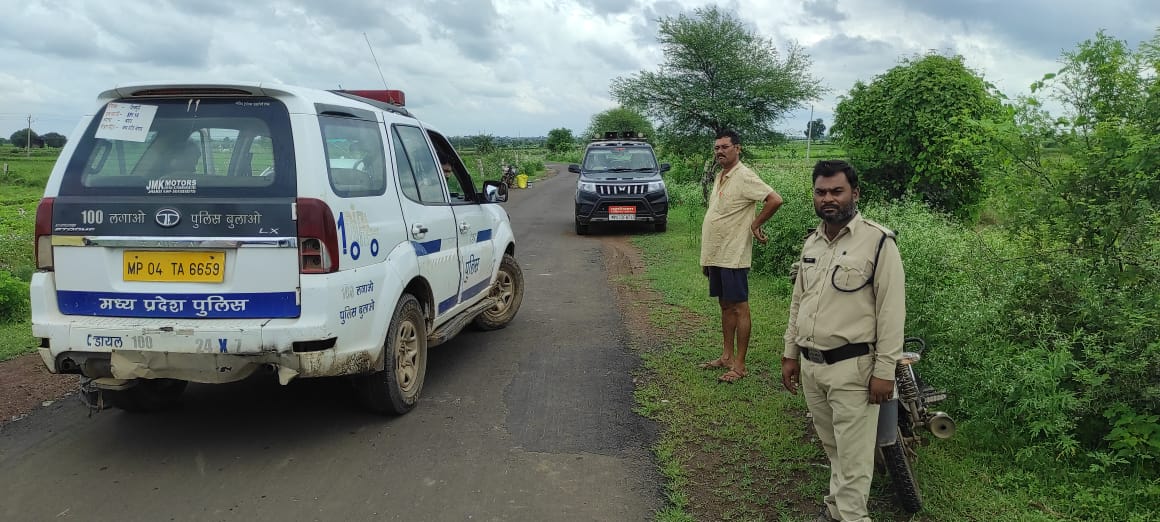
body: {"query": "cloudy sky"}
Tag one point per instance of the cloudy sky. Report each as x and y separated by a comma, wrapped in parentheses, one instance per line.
(502, 67)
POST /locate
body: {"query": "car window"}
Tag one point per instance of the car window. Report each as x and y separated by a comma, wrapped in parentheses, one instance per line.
(619, 159)
(162, 148)
(354, 155)
(427, 176)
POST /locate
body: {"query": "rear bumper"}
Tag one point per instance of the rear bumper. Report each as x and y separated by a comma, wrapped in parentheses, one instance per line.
(206, 350)
(650, 208)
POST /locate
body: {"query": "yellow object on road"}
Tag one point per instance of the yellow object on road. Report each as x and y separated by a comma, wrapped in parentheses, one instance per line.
(522, 181)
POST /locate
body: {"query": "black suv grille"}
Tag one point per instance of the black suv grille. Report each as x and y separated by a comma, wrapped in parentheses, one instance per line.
(621, 190)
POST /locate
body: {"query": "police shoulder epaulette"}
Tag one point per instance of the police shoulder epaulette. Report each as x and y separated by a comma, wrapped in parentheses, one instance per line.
(889, 233)
(809, 232)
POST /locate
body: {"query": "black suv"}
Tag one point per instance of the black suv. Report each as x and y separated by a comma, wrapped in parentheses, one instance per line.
(620, 182)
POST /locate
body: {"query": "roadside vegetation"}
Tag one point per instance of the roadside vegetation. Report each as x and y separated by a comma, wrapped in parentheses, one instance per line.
(20, 190)
(1031, 248)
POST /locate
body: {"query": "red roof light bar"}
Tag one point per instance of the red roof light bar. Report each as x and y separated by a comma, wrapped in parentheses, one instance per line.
(393, 97)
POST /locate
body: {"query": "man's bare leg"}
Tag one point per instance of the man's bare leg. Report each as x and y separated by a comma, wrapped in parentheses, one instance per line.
(728, 332)
(744, 325)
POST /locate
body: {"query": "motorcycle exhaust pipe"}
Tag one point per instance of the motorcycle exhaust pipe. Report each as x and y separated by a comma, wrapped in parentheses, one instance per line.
(941, 425)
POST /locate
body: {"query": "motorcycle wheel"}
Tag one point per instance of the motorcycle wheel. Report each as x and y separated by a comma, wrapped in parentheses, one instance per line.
(902, 477)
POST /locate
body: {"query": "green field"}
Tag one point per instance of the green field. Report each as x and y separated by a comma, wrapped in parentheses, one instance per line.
(20, 190)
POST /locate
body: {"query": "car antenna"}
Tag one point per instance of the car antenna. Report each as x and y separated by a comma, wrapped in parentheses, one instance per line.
(377, 66)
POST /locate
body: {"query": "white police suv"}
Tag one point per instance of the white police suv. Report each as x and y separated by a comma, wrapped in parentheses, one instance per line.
(203, 232)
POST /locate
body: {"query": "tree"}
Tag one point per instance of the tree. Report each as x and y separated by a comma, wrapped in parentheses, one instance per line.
(53, 139)
(1084, 190)
(912, 129)
(21, 137)
(815, 130)
(3, 141)
(718, 75)
(484, 143)
(617, 120)
(560, 140)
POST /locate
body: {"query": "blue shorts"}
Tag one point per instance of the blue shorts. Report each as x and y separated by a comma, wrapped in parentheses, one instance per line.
(729, 284)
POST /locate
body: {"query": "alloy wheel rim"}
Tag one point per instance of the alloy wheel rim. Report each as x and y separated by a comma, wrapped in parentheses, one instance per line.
(407, 357)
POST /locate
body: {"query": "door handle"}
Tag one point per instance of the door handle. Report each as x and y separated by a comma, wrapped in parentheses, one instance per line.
(463, 226)
(418, 231)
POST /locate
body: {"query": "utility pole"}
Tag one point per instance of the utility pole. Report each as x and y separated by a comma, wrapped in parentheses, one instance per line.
(809, 133)
(28, 138)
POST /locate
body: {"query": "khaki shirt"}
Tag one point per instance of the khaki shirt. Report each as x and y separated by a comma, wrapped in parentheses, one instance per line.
(823, 317)
(726, 238)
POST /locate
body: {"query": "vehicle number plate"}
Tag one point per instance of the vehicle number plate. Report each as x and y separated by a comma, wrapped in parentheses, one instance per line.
(174, 266)
(621, 213)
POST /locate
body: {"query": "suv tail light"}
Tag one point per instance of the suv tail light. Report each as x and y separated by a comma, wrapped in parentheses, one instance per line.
(317, 237)
(43, 242)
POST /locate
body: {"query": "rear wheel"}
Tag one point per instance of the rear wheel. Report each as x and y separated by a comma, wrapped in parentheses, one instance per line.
(508, 293)
(900, 466)
(147, 395)
(395, 389)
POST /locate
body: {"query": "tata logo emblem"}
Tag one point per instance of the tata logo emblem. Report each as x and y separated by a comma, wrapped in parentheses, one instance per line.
(168, 217)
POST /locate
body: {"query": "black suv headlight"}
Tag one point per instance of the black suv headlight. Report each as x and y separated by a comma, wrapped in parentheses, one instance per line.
(586, 186)
(656, 186)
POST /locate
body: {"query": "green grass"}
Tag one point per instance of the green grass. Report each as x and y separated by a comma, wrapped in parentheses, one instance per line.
(740, 452)
(20, 191)
(16, 339)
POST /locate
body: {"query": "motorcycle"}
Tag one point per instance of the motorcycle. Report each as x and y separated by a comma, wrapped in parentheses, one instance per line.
(900, 424)
(509, 176)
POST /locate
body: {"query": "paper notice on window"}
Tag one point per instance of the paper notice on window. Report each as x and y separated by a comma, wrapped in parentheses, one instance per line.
(126, 121)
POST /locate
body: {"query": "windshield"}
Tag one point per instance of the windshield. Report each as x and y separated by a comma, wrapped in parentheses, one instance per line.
(620, 160)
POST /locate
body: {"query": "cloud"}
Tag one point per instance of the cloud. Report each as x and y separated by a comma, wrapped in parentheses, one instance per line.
(502, 66)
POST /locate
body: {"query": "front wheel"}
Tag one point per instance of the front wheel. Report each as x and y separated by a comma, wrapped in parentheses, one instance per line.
(395, 389)
(508, 293)
(900, 466)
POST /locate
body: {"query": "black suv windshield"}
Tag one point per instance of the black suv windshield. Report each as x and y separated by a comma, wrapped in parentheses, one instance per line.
(620, 160)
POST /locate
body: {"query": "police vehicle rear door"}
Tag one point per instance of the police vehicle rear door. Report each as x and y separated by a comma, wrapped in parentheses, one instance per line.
(180, 207)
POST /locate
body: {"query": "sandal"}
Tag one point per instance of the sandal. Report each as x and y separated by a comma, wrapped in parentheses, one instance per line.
(714, 364)
(731, 376)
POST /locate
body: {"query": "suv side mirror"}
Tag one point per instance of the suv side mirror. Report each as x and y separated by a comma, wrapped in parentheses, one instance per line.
(574, 168)
(665, 167)
(494, 191)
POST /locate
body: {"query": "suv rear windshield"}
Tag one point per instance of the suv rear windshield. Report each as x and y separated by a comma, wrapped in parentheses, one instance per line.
(620, 159)
(187, 147)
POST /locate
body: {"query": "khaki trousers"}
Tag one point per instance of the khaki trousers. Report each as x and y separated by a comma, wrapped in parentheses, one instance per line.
(838, 396)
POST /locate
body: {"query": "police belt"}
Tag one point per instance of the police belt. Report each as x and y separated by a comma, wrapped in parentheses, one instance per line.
(835, 355)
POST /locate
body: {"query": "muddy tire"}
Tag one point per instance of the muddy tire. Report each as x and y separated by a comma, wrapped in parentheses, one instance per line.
(902, 477)
(508, 290)
(148, 395)
(395, 389)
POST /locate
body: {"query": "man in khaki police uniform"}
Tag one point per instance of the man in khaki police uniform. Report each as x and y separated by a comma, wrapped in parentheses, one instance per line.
(727, 248)
(846, 322)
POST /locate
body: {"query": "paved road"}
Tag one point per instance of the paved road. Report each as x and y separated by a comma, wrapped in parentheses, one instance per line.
(533, 422)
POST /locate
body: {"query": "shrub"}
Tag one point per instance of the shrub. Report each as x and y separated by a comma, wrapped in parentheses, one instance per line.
(13, 298)
(909, 130)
